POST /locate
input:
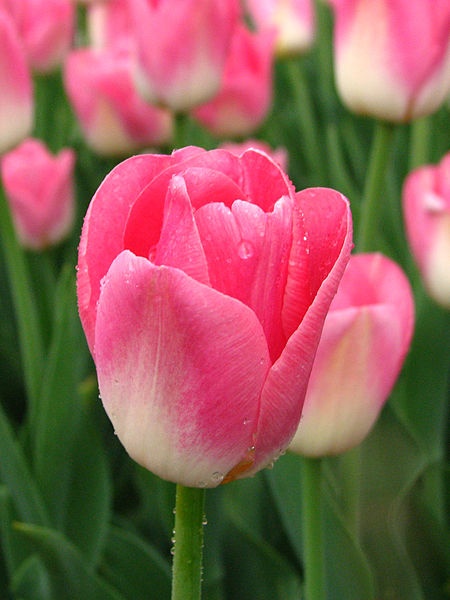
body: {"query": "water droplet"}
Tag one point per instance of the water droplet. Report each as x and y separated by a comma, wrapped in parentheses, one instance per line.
(204, 520)
(217, 477)
(202, 484)
(245, 250)
(246, 421)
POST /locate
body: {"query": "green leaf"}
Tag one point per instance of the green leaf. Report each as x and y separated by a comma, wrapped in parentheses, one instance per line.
(134, 567)
(15, 473)
(60, 404)
(88, 506)
(70, 575)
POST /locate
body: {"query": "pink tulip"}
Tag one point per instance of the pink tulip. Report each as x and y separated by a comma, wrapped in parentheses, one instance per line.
(109, 26)
(365, 338)
(39, 188)
(245, 96)
(16, 93)
(183, 48)
(294, 21)
(279, 155)
(203, 283)
(46, 29)
(426, 206)
(392, 57)
(114, 118)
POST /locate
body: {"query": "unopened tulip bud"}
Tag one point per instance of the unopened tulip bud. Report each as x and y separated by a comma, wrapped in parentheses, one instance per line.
(426, 206)
(39, 189)
(392, 58)
(365, 338)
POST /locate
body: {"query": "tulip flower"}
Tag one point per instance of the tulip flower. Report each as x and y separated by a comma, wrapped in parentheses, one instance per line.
(46, 29)
(203, 283)
(245, 96)
(294, 21)
(39, 189)
(109, 25)
(182, 49)
(16, 93)
(426, 206)
(365, 338)
(392, 58)
(114, 118)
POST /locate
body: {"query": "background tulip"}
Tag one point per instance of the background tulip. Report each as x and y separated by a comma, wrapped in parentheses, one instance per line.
(293, 19)
(203, 283)
(182, 64)
(245, 96)
(16, 94)
(426, 206)
(392, 58)
(46, 29)
(114, 118)
(365, 338)
(39, 188)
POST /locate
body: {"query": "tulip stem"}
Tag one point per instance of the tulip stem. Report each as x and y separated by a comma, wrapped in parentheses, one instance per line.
(188, 543)
(375, 181)
(314, 588)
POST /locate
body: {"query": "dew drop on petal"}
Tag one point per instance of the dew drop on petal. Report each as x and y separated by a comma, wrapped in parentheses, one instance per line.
(245, 250)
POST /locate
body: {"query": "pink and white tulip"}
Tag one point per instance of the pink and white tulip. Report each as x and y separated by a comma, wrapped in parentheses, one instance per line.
(365, 338)
(182, 49)
(39, 189)
(203, 283)
(426, 206)
(245, 96)
(392, 57)
(46, 29)
(115, 120)
(16, 91)
(294, 21)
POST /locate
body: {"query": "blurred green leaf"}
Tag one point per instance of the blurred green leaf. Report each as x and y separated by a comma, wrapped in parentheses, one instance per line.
(134, 567)
(70, 575)
(15, 473)
(60, 404)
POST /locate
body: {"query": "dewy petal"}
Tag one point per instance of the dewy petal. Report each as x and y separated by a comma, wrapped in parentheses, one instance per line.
(171, 354)
(179, 244)
(285, 387)
(103, 229)
(247, 252)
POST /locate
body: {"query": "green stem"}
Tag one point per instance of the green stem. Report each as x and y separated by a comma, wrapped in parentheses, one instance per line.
(30, 338)
(375, 181)
(420, 143)
(188, 544)
(312, 529)
(307, 121)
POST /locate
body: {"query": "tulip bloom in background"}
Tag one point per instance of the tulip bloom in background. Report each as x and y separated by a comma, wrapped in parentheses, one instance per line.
(279, 155)
(46, 29)
(366, 336)
(203, 283)
(114, 118)
(426, 206)
(294, 21)
(16, 92)
(392, 58)
(245, 97)
(39, 188)
(109, 26)
(182, 65)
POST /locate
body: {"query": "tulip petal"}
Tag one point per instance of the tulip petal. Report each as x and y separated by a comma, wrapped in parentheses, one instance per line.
(103, 229)
(180, 368)
(179, 244)
(247, 253)
(284, 391)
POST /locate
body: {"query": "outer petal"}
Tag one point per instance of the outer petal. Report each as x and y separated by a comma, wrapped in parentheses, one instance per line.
(170, 353)
(285, 387)
(103, 229)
